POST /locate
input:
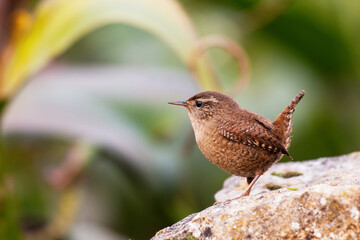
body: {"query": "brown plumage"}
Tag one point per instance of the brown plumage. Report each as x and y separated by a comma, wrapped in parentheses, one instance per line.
(237, 140)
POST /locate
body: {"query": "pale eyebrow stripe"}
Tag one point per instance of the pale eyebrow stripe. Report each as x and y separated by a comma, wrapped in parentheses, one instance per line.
(211, 99)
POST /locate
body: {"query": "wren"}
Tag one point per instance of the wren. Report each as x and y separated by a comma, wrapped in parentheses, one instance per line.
(237, 140)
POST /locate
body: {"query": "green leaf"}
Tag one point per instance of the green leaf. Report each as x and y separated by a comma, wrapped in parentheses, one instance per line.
(59, 23)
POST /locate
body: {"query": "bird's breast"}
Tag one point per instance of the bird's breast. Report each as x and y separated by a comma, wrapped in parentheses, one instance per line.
(231, 156)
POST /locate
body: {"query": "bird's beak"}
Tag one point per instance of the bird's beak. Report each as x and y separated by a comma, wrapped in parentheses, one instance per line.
(180, 103)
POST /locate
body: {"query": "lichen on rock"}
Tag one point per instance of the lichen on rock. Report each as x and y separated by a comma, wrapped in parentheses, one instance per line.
(321, 202)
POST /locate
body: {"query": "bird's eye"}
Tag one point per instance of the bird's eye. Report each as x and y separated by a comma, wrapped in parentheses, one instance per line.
(199, 104)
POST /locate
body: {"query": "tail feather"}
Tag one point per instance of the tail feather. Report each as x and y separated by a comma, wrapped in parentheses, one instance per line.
(284, 121)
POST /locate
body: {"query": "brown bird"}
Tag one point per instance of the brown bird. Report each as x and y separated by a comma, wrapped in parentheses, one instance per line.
(237, 140)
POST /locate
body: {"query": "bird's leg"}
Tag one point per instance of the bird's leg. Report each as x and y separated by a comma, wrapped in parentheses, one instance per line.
(247, 190)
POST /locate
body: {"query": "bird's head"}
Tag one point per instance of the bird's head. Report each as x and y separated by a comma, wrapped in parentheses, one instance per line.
(207, 105)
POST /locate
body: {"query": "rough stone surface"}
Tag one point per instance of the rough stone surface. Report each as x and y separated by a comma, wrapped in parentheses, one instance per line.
(318, 199)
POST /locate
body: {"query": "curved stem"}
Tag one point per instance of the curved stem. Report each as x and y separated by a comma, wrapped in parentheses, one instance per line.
(231, 47)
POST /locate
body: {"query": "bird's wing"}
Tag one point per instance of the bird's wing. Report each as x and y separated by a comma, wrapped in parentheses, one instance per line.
(253, 133)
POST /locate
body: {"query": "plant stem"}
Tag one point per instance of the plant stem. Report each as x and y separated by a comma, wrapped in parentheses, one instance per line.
(9, 226)
(3, 103)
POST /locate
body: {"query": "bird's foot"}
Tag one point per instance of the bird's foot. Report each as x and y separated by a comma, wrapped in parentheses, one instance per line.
(217, 203)
(244, 194)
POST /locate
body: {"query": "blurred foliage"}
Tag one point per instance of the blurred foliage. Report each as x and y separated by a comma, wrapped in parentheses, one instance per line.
(142, 171)
(38, 38)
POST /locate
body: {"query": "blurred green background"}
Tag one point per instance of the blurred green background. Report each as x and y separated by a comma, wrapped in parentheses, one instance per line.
(92, 150)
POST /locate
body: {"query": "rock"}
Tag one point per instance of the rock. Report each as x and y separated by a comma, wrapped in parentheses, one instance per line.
(318, 199)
